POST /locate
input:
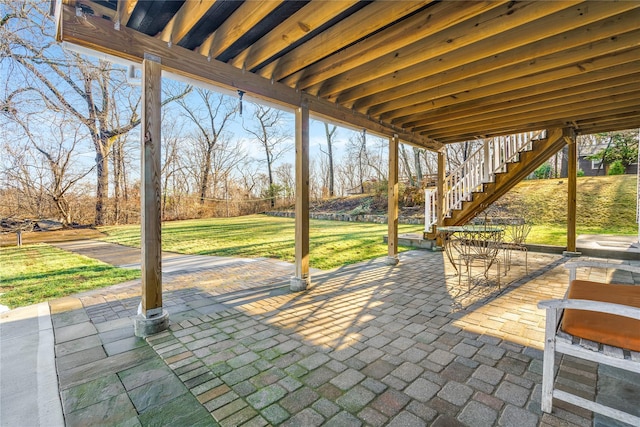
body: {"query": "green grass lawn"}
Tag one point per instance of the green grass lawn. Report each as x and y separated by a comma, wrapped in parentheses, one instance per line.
(332, 243)
(34, 273)
(604, 205)
(38, 272)
(553, 234)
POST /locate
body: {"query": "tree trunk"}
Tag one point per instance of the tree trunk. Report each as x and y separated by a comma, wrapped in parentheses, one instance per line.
(102, 187)
(407, 165)
(601, 166)
(564, 162)
(329, 134)
(418, 164)
(272, 195)
(361, 155)
(63, 208)
(204, 180)
(117, 163)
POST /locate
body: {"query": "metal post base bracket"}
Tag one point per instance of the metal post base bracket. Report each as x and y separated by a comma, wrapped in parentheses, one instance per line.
(571, 254)
(297, 284)
(146, 326)
(391, 260)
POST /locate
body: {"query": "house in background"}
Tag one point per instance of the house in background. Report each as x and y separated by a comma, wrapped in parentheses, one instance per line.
(595, 167)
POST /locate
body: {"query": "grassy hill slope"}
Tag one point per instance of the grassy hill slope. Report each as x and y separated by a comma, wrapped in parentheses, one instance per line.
(604, 201)
(605, 205)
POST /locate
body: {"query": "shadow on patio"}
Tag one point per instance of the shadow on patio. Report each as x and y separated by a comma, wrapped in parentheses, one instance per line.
(367, 344)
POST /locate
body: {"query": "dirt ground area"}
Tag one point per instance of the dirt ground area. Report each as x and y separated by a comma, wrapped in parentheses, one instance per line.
(64, 235)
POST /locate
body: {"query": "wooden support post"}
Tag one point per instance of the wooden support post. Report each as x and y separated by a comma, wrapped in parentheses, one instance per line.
(441, 195)
(637, 244)
(392, 210)
(301, 279)
(572, 170)
(152, 318)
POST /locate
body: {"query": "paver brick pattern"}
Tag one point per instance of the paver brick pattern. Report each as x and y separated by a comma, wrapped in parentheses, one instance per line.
(367, 344)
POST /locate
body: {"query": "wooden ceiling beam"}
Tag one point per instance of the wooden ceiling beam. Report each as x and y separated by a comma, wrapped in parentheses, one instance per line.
(364, 22)
(97, 8)
(559, 106)
(183, 21)
(575, 70)
(630, 120)
(629, 112)
(534, 102)
(508, 67)
(125, 9)
(564, 114)
(516, 126)
(598, 78)
(98, 34)
(602, 54)
(249, 14)
(557, 34)
(424, 23)
(479, 27)
(304, 21)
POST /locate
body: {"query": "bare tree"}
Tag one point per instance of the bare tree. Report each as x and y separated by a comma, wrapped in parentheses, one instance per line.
(348, 176)
(417, 154)
(23, 186)
(330, 134)
(357, 154)
(430, 162)
(87, 90)
(54, 167)
(249, 178)
(318, 185)
(458, 153)
(172, 170)
(270, 131)
(377, 158)
(210, 115)
(406, 165)
(64, 82)
(286, 176)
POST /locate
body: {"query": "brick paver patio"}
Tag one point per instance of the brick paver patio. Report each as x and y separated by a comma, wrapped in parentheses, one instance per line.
(368, 344)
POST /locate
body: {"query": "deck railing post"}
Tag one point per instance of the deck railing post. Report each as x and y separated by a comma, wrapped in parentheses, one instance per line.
(487, 162)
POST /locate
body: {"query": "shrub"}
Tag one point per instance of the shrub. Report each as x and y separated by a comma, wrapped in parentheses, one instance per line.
(580, 172)
(543, 172)
(412, 196)
(616, 168)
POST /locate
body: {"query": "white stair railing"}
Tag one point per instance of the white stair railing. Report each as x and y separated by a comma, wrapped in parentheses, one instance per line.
(479, 168)
(430, 211)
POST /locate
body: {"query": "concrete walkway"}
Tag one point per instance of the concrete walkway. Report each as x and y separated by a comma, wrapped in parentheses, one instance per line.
(172, 263)
(28, 381)
(368, 344)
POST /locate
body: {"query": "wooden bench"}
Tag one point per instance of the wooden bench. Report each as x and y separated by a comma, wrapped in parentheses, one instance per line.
(595, 321)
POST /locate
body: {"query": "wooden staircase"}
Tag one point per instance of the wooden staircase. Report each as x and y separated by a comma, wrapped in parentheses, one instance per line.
(494, 185)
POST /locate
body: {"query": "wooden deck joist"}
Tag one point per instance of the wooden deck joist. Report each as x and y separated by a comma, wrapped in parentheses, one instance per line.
(429, 71)
(99, 34)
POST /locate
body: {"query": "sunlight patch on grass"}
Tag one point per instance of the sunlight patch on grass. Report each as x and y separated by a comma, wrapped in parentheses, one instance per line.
(34, 273)
(332, 243)
(548, 235)
(605, 205)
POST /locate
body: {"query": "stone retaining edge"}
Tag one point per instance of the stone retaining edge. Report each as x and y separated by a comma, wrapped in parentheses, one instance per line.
(378, 219)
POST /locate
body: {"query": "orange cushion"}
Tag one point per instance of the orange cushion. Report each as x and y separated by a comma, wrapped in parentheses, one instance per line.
(617, 331)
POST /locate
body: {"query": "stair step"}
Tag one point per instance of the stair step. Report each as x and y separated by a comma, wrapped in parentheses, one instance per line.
(502, 182)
